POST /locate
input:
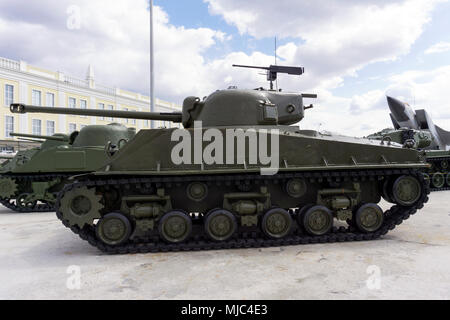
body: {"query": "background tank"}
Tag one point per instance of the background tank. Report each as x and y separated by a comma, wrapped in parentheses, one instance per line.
(416, 129)
(238, 175)
(32, 178)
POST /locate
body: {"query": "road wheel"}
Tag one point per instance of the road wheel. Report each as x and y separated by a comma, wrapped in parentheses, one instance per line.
(437, 180)
(220, 224)
(276, 223)
(175, 226)
(113, 229)
(447, 179)
(368, 218)
(317, 220)
(406, 190)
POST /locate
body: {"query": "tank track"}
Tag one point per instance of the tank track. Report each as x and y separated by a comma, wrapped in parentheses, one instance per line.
(40, 207)
(436, 160)
(255, 238)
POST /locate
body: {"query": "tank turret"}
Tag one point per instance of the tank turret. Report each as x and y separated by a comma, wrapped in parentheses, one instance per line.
(245, 108)
(256, 107)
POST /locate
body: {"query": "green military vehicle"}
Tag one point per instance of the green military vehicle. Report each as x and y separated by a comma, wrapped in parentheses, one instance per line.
(239, 174)
(30, 181)
(416, 130)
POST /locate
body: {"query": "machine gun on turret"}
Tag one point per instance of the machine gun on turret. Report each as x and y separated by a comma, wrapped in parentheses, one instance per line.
(273, 70)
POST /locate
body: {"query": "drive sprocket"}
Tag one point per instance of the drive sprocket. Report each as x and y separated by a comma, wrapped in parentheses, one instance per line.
(8, 187)
(81, 206)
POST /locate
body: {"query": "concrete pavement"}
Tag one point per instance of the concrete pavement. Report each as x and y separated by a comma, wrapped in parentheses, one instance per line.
(41, 259)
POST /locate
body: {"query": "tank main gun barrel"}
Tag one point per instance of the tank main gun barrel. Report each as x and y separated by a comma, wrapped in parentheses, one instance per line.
(33, 136)
(23, 108)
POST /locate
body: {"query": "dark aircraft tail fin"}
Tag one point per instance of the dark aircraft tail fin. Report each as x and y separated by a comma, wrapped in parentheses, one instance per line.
(394, 122)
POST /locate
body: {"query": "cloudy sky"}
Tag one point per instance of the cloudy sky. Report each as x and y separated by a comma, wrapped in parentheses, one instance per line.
(354, 51)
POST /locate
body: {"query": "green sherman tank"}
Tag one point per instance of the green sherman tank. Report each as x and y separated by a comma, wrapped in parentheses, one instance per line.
(240, 175)
(416, 130)
(30, 181)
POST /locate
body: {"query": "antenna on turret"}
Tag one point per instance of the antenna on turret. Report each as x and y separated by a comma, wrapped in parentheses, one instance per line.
(275, 53)
(273, 70)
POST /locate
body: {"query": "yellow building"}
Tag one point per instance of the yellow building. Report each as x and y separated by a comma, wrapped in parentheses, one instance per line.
(23, 83)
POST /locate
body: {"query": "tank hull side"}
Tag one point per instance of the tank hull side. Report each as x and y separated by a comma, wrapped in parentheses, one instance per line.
(151, 153)
(61, 160)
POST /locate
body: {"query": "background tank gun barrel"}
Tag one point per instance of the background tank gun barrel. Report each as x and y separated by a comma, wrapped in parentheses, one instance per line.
(5, 156)
(23, 108)
(33, 136)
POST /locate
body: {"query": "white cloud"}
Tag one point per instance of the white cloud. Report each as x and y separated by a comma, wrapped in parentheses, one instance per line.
(421, 89)
(336, 38)
(114, 38)
(438, 48)
(332, 39)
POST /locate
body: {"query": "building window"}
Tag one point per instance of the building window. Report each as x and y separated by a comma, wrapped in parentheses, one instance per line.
(111, 108)
(72, 127)
(101, 106)
(50, 99)
(146, 123)
(50, 128)
(83, 105)
(9, 126)
(36, 97)
(72, 103)
(9, 94)
(36, 126)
